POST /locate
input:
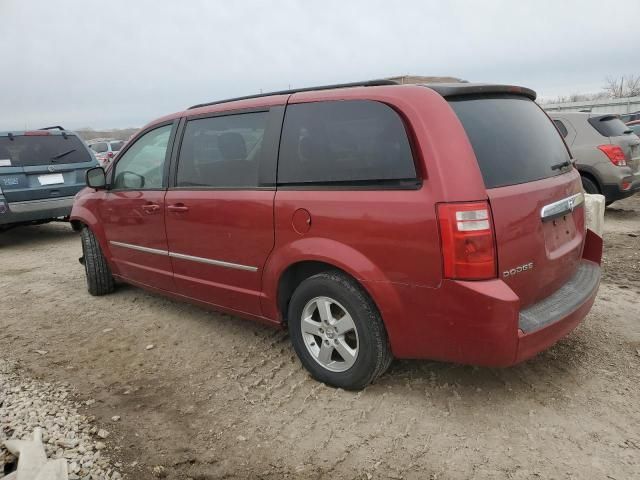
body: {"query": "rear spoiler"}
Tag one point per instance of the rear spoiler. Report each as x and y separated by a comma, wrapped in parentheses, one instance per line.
(448, 90)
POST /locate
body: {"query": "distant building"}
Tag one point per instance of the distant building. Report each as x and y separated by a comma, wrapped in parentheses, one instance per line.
(420, 79)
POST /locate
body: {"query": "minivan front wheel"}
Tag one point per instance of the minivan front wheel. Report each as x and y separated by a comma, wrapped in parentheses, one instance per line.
(99, 278)
(337, 332)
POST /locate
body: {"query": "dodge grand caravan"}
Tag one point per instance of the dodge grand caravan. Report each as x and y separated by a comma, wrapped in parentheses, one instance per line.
(40, 172)
(373, 220)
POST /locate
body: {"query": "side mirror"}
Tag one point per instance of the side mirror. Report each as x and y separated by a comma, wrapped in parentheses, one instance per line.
(96, 178)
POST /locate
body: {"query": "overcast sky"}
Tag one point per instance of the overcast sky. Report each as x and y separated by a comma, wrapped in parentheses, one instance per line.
(121, 63)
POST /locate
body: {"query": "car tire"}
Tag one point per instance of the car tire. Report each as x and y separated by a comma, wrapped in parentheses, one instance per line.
(99, 278)
(345, 346)
(590, 186)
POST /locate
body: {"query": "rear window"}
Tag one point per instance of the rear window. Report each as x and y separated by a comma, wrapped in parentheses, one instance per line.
(513, 139)
(356, 142)
(99, 147)
(116, 146)
(609, 126)
(34, 150)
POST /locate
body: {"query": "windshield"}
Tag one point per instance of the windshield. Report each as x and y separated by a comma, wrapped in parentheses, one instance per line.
(26, 150)
(513, 139)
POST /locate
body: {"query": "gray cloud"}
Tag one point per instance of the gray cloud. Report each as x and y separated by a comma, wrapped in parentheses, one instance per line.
(121, 63)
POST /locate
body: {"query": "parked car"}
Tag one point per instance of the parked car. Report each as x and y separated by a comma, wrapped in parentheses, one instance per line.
(40, 172)
(105, 149)
(630, 117)
(635, 127)
(606, 152)
(373, 220)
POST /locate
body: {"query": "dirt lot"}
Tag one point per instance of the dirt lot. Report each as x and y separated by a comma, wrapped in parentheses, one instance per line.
(220, 397)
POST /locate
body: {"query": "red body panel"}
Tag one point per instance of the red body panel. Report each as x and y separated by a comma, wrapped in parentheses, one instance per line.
(234, 226)
(554, 247)
(137, 218)
(387, 239)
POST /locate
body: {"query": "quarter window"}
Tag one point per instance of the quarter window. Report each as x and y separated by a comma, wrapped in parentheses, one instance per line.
(142, 165)
(222, 152)
(344, 142)
(561, 128)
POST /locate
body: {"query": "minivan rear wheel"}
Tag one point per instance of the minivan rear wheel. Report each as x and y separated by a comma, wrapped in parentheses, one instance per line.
(99, 278)
(337, 332)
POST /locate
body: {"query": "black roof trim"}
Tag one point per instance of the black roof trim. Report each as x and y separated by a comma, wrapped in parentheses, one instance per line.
(366, 83)
(55, 127)
(459, 89)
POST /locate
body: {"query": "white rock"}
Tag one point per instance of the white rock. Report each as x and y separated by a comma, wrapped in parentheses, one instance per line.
(102, 433)
(115, 418)
(150, 346)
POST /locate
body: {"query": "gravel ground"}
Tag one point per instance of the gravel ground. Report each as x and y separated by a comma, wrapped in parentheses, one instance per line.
(26, 404)
(219, 397)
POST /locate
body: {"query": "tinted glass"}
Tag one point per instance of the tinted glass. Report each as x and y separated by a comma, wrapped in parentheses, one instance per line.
(99, 147)
(142, 165)
(514, 141)
(343, 142)
(222, 151)
(609, 126)
(116, 146)
(636, 129)
(34, 150)
(561, 128)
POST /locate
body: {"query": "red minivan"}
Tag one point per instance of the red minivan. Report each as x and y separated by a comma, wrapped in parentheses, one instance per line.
(372, 220)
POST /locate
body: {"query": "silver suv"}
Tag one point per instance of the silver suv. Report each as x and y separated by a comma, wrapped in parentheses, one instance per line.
(606, 151)
(105, 150)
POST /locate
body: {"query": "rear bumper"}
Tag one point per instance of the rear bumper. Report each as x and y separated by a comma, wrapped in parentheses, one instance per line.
(19, 212)
(481, 323)
(613, 192)
(544, 323)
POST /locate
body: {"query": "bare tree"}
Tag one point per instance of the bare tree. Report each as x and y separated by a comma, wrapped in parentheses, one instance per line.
(625, 86)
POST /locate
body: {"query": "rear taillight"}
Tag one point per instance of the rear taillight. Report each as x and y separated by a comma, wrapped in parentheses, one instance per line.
(110, 154)
(625, 185)
(468, 247)
(614, 153)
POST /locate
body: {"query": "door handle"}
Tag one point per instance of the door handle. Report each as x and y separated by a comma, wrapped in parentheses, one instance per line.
(178, 208)
(150, 208)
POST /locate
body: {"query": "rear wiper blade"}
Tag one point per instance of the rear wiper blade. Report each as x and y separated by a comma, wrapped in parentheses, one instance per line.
(559, 166)
(63, 154)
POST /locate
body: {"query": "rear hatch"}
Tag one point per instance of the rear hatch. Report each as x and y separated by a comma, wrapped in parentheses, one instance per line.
(42, 165)
(527, 171)
(618, 133)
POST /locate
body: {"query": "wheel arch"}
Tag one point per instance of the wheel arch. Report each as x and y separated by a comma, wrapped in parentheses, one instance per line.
(290, 265)
(83, 217)
(587, 173)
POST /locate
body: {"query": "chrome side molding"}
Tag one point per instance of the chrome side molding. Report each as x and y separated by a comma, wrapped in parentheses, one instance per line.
(561, 207)
(209, 261)
(182, 256)
(139, 248)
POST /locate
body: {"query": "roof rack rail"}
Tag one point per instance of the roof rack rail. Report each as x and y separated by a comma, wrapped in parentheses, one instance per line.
(52, 128)
(366, 83)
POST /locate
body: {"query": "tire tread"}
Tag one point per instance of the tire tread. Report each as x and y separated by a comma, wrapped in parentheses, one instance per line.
(99, 278)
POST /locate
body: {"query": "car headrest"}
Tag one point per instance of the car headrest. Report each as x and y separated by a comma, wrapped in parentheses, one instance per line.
(232, 146)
